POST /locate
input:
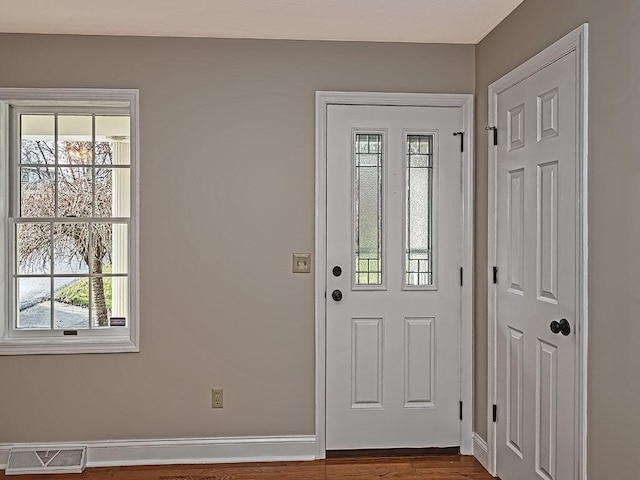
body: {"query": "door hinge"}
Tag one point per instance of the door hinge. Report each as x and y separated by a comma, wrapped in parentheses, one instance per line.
(495, 274)
(495, 134)
(461, 134)
(461, 276)
(460, 409)
(495, 413)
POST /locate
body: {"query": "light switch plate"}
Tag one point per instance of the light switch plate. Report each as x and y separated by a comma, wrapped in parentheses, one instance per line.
(301, 263)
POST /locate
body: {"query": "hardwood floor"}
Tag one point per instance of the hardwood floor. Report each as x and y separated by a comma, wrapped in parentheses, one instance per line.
(435, 467)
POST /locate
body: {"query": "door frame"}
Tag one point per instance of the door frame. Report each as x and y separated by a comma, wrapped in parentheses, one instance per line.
(465, 102)
(576, 41)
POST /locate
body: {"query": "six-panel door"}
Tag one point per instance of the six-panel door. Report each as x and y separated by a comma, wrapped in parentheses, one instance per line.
(536, 220)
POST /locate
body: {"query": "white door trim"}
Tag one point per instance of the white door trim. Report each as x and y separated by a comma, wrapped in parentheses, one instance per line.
(576, 41)
(464, 101)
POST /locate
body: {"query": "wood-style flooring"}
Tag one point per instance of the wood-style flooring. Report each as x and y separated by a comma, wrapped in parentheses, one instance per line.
(434, 467)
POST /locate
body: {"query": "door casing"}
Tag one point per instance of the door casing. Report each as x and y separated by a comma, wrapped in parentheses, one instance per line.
(465, 102)
(575, 41)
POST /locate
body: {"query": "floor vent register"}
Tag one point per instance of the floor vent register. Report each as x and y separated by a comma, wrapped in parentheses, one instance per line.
(34, 461)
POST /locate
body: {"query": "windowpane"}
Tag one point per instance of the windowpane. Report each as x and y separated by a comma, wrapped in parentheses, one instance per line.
(33, 247)
(71, 303)
(110, 301)
(419, 211)
(75, 191)
(75, 137)
(75, 152)
(109, 242)
(34, 303)
(37, 192)
(120, 302)
(112, 192)
(71, 248)
(37, 139)
(112, 140)
(368, 209)
(420, 145)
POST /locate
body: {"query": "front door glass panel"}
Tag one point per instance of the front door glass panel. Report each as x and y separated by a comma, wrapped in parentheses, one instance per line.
(419, 211)
(368, 211)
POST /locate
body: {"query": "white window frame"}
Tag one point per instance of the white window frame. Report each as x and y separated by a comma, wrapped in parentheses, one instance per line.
(117, 340)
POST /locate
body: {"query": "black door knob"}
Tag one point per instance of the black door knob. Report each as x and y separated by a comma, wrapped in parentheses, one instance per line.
(562, 327)
(336, 295)
(337, 271)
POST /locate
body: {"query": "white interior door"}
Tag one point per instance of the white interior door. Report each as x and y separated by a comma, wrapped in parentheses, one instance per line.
(393, 277)
(537, 213)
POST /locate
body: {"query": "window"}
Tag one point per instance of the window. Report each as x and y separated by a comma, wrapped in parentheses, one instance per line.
(69, 225)
(419, 205)
(368, 211)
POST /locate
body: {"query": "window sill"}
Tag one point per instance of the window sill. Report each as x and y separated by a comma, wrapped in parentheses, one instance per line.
(68, 346)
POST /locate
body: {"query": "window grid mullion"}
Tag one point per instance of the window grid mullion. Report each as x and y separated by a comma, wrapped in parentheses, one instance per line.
(55, 168)
(71, 275)
(51, 239)
(93, 163)
(55, 212)
(44, 165)
(90, 275)
(93, 214)
(114, 220)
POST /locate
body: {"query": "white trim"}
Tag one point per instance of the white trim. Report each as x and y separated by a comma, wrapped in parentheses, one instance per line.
(481, 450)
(464, 101)
(467, 290)
(183, 450)
(576, 41)
(71, 96)
(4, 214)
(104, 342)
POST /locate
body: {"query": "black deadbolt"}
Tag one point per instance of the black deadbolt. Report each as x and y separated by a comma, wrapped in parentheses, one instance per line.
(562, 326)
(336, 295)
(337, 271)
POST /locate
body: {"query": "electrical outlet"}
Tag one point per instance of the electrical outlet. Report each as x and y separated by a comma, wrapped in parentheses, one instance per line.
(216, 398)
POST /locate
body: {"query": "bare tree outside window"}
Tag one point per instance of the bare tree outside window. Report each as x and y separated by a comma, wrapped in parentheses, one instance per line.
(81, 192)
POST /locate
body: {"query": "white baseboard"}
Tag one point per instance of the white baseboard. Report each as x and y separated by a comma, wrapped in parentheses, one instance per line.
(481, 450)
(184, 450)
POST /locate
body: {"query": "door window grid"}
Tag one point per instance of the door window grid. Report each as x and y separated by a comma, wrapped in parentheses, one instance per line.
(419, 211)
(92, 215)
(368, 266)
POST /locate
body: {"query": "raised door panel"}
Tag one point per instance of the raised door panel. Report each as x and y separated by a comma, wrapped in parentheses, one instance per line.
(419, 363)
(548, 113)
(366, 364)
(547, 238)
(515, 127)
(515, 231)
(546, 409)
(515, 390)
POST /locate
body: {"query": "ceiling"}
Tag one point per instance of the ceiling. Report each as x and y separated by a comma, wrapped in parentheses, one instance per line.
(422, 21)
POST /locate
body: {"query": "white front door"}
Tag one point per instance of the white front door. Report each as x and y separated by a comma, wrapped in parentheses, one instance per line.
(536, 290)
(393, 277)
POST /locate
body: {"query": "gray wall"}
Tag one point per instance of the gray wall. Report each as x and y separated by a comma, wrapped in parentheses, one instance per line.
(227, 194)
(614, 212)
